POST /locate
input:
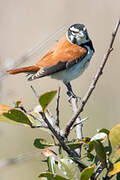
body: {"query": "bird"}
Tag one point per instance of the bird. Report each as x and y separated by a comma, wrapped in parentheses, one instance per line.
(66, 60)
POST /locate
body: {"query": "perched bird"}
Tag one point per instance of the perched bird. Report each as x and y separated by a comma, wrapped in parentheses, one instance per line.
(67, 60)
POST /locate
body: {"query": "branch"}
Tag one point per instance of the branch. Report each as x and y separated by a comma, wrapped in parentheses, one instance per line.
(57, 132)
(94, 82)
(70, 152)
(35, 92)
(81, 121)
(79, 127)
(57, 108)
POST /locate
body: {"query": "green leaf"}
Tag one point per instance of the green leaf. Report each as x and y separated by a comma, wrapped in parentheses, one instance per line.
(52, 176)
(104, 131)
(17, 116)
(3, 109)
(77, 143)
(42, 143)
(51, 164)
(114, 138)
(90, 156)
(95, 160)
(90, 146)
(66, 168)
(118, 176)
(36, 118)
(69, 168)
(18, 103)
(87, 173)
(99, 136)
(100, 151)
(46, 98)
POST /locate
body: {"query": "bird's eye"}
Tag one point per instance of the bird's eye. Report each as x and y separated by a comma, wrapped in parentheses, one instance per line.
(74, 32)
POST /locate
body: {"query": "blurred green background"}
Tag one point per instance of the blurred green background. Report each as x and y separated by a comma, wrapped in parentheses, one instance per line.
(25, 23)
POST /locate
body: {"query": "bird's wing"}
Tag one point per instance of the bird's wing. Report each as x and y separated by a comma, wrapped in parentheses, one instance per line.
(63, 55)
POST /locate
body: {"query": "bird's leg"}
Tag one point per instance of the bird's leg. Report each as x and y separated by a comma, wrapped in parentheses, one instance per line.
(70, 92)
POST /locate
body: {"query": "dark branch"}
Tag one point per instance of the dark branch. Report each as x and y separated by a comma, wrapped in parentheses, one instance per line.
(94, 82)
(70, 152)
(57, 108)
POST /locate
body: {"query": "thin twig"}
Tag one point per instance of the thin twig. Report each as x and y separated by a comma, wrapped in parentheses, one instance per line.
(57, 108)
(35, 92)
(35, 118)
(94, 82)
(81, 121)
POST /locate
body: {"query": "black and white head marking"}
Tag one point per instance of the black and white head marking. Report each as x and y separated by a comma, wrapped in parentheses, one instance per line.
(77, 34)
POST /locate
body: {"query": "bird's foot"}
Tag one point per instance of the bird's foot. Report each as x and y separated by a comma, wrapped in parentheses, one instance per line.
(72, 95)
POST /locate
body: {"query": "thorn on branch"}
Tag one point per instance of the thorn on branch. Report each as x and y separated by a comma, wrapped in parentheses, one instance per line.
(93, 85)
(81, 121)
(83, 102)
(34, 91)
(111, 49)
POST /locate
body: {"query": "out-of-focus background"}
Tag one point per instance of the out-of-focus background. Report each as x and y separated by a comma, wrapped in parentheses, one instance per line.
(23, 25)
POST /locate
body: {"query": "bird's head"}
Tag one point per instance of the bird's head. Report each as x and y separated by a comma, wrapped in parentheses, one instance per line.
(77, 34)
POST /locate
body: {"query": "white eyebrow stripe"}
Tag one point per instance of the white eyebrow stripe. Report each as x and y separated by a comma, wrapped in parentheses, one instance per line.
(74, 29)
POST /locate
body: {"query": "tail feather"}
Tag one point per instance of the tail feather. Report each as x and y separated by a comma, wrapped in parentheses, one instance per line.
(29, 69)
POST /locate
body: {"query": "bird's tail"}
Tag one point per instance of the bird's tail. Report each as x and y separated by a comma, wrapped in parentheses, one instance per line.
(29, 69)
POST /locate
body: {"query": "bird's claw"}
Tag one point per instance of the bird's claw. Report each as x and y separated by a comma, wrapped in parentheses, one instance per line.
(72, 95)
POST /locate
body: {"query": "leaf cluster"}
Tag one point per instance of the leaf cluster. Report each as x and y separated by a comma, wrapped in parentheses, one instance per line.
(102, 151)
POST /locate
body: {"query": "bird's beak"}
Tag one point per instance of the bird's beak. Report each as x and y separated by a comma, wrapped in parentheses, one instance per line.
(81, 34)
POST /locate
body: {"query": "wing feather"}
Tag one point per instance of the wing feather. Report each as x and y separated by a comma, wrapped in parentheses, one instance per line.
(63, 55)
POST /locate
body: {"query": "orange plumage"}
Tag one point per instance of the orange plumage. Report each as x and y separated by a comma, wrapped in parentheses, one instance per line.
(63, 51)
